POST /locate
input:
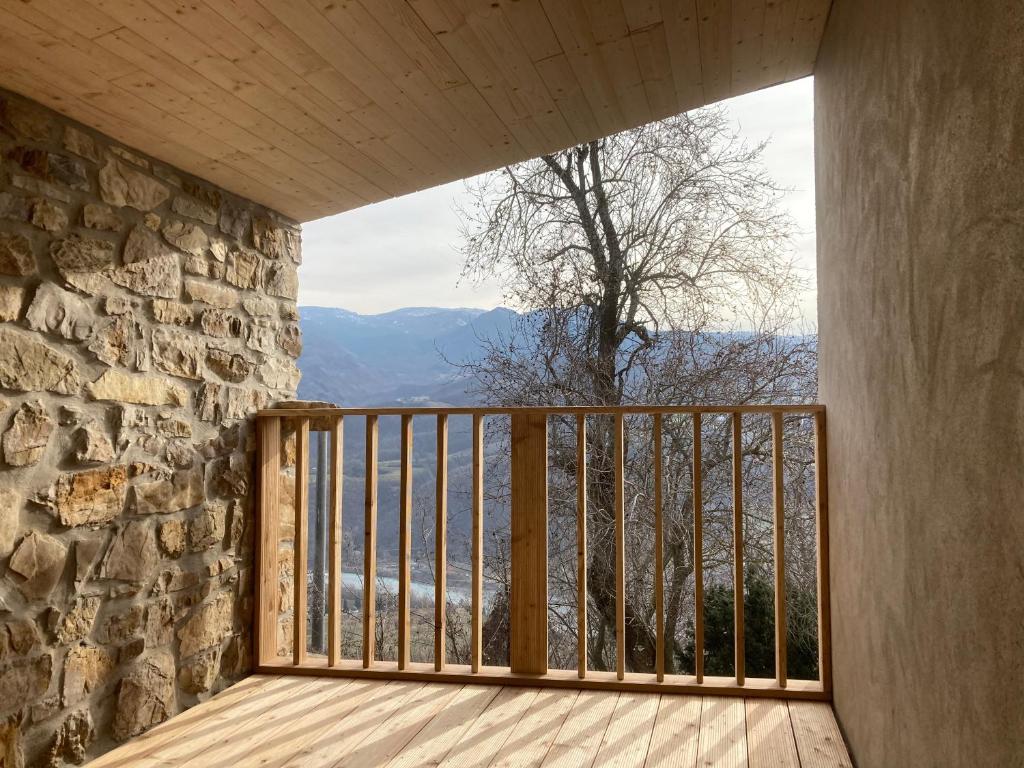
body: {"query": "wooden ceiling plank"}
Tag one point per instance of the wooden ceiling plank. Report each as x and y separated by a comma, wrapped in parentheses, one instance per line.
(366, 34)
(810, 26)
(408, 31)
(465, 48)
(748, 20)
(497, 35)
(715, 29)
(641, 14)
(611, 32)
(679, 18)
(84, 55)
(651, 46)
(569, 96)
(572, 26)
(164, 34)
(89, 22)
(409, 130)
(279, 197)
(532, 27)
(254, 130)
(205, 24)
(779, 23)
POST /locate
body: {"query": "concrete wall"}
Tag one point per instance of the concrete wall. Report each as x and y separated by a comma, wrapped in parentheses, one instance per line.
(143, 316)
(920, 194)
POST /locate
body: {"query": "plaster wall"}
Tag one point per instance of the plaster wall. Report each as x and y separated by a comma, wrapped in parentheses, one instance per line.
(919, 124)
(144, 316)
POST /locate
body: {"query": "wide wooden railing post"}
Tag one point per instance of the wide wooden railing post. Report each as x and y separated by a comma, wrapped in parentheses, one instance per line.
(528, 643)
(659, 563)
(300, 541)
(267, 537)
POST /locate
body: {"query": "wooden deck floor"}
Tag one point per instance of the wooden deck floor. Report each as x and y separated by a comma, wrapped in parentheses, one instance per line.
(313, 722)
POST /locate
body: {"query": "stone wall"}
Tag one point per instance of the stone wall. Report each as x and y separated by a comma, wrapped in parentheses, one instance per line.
(919, 122)
(144, 315)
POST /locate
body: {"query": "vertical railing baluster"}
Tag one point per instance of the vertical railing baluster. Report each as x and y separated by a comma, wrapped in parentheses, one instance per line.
(581, 545)
(698, 551)
(440, 543)
(268, 531)
(300, 541)
(478, 543)
(824, 598)
(335, 586)
(370, 545)
(737, 543)
(405, 543)
(659, 564)
(779, 541)
(620, 554)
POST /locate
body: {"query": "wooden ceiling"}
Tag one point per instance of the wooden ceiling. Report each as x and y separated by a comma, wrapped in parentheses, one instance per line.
(313, 107)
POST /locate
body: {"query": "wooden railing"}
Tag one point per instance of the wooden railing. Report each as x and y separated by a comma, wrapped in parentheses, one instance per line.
(528, 609)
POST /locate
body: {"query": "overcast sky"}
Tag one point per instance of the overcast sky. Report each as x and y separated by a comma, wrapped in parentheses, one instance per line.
(404, 252)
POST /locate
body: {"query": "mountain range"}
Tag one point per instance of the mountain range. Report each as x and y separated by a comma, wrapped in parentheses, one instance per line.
(406, 357)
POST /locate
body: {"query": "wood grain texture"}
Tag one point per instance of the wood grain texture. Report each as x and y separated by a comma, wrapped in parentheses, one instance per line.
(779, 547)
(739, 658)
(300, 542)
(441, 543)
(315, 108)
(316, 722)
(334, 571)
(581, 545)
(822, 543)
(477, 585)
(405, 544)
(528, 610)
(698, 550)
(267, 531)
(659, 564)
(620, 548)
(770, 741)
(370, 543)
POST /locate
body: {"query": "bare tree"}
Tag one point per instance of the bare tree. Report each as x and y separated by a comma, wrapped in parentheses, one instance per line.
(653, 267)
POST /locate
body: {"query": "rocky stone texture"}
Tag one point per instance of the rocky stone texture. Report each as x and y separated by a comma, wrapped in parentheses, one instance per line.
(144, 315)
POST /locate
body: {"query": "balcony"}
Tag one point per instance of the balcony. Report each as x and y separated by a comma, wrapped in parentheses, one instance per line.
(311, 709)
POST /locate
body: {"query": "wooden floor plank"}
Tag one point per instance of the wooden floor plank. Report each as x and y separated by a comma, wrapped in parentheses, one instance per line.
(580, 736)
(530, 740)
(388, 739)
(723, 737)
(241, 745)
(440, 735)
(223, 723)
(769, 735)
(818, 740)
(337, 707)
(347, 733)
(628, 735)
(492, 729)
(328, 722)
(183, 725)
(674, 741)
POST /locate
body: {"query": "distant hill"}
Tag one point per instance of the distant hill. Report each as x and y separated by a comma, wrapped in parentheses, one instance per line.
(394, 358)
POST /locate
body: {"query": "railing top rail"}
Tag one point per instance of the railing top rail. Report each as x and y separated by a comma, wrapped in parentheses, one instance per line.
(322, 411)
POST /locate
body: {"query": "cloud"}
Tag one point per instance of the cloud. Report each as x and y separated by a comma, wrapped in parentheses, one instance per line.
(404, 252)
